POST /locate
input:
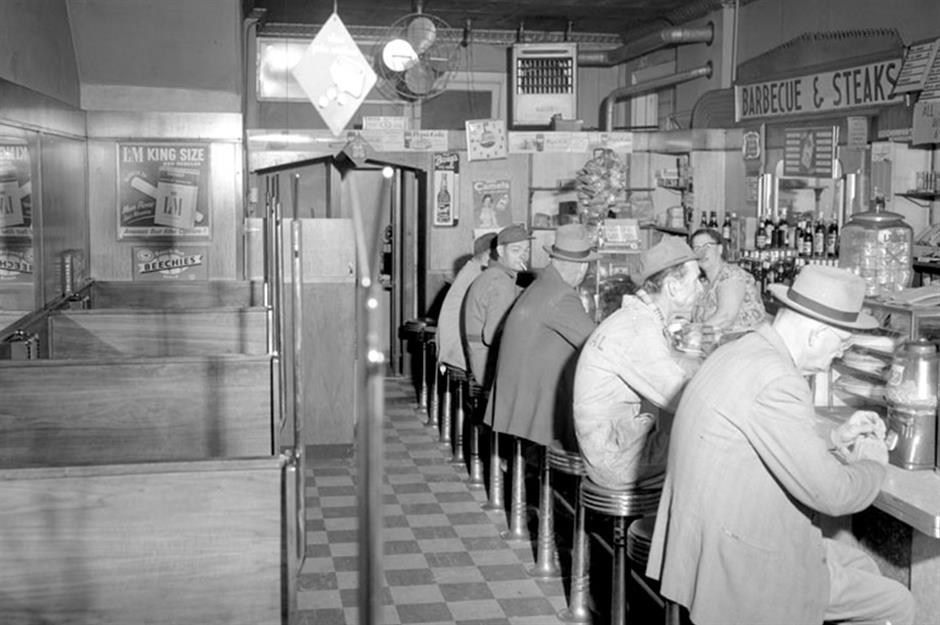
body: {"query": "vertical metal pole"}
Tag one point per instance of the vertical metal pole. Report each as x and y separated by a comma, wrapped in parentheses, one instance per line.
(297, 369)
(278, 297)
(369, 435)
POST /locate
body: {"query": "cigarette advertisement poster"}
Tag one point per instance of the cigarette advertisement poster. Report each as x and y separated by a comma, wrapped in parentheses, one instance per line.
(163, 190)
(491, 204)
(446, 207)
(171, 262)
(16, 214)
(16, 262)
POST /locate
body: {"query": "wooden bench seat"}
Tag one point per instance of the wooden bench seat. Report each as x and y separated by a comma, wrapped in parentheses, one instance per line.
(176, 294)
(159, 543)
(104, 333)
(76, 412)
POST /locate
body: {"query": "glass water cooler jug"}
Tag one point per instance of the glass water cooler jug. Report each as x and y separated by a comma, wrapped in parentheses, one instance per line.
(878, 246)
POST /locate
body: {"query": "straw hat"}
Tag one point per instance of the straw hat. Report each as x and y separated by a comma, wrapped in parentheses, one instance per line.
(572, 243)
(828, 294)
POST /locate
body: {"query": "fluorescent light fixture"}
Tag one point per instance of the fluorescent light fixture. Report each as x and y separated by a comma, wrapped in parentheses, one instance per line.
(280, 137)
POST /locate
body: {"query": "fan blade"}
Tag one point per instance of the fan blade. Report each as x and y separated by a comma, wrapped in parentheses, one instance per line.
(421, 33)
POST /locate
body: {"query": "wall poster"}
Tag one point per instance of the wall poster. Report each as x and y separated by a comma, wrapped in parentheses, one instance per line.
(16, 213)
(491, 204)
(163, 190)
(171, 262)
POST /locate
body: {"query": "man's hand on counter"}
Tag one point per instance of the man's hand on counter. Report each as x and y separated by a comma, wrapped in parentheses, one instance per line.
(861, 437)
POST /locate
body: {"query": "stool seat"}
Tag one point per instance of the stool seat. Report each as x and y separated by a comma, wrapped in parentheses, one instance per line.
(568, 462)
(631, 502)
(639, 539)
(421, 329)
(456, 373)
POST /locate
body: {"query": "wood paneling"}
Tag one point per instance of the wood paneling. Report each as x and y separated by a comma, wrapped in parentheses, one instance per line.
(65, 412)
(164, 543)
(108, 333)
(189, 294)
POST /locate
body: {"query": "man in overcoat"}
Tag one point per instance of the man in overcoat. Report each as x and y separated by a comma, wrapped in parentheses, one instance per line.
(488, 300)
(449, 345)
(750, 465)
(532, 390)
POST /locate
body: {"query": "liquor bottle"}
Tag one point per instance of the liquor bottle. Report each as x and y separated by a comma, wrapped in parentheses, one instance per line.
(726, 231)
(807, 250)
(783, 232)
(798, 237)
(713, 220)
(769, 229)
(819, 237)
(704, 222)
(832, 240)
(760, 237)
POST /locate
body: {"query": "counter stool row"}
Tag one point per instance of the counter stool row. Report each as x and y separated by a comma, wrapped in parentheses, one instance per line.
(448, 395)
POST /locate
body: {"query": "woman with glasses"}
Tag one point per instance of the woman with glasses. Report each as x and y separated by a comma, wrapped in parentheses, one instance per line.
(731, 300)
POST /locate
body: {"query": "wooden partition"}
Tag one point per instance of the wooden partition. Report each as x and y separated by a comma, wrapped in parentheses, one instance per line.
(106, 333)
(176, 294)
(158, 543)
(74, 412)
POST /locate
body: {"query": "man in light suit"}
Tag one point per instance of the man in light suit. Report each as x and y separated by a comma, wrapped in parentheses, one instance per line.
(750, 466)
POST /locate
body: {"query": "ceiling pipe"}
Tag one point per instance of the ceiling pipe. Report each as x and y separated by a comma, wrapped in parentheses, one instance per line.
(664, 38)
(642, 88)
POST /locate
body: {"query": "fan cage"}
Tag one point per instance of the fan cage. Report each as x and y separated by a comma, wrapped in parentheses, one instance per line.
(437, 54)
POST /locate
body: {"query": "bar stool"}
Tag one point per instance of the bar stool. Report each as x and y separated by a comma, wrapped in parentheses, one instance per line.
(555, 457)
(620, 505)
(473, 395)
(518, 528)
(454, 378)
(446, 379)
(421, 332)
(639, 539)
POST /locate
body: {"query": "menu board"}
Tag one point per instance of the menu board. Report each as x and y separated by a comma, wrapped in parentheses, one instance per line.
(931, 90)
(918, 60)
(809, 152)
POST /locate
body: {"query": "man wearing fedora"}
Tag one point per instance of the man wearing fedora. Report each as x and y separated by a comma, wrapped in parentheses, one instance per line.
(488, 299)
(629, 377)
(532, 390)
(751, 467)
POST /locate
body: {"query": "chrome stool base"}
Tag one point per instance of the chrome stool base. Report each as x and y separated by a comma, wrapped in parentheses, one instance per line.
(495, 501)
(546, 555)
(518, 528)
(621, 505)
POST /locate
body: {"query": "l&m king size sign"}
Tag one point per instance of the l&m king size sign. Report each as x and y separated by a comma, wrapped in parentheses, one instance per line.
(846, 88)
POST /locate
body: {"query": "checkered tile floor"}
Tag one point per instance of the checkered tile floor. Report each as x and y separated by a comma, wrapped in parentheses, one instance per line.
(444, 559)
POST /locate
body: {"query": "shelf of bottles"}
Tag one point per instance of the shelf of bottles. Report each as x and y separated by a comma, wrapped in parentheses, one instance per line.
(778, 249)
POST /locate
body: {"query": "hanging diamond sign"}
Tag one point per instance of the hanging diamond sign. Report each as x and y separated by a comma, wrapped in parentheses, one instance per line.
(334, 74)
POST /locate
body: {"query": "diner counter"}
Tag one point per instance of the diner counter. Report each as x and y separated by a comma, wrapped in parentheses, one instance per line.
(912, 497)
(909, 496)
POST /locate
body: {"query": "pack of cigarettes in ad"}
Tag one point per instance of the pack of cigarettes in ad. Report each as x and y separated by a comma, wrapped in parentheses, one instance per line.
(177, 189)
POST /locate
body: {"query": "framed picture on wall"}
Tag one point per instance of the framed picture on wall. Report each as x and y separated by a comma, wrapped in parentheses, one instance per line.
(163, 190)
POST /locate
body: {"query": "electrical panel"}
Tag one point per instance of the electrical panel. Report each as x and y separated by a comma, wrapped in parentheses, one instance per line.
(544, 83)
